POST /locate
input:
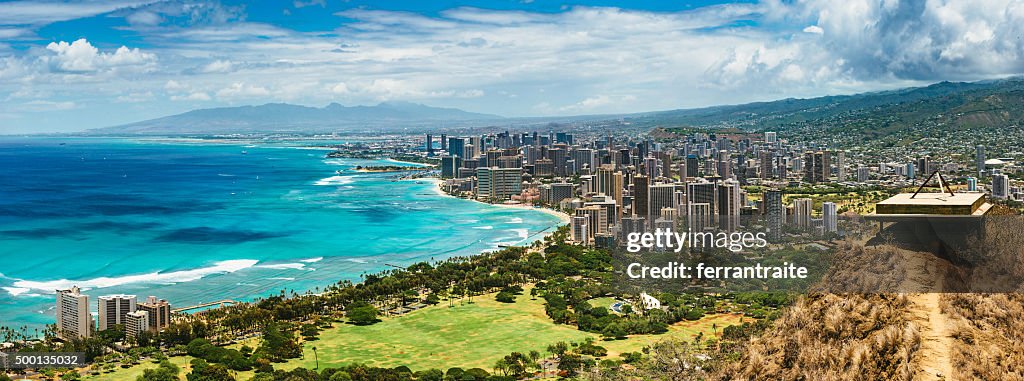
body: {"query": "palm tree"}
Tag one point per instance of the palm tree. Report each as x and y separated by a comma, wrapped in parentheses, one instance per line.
(316, 358)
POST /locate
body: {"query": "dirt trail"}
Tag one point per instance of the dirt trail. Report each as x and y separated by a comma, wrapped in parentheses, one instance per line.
(935, 355)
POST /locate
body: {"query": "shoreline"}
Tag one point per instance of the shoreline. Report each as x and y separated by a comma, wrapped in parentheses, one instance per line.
(563, 217)
(422, 165)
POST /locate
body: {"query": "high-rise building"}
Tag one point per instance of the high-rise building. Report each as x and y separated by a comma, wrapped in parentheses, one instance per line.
(641, 195)
(444, 142)
(979, 158)
(651, 167)
(770, 137)
(73, 318)
(724, 164)
(159, 313)
(766, 159)
(113, 308)
(580, 229)
(910, 171)
(136, 322)
(802, 212)
(699, 216)
(559, 156)
(829, 217)
(457, 147)
(972, 184)
(632, 224)
(817, 166)
(774, 212)
(608, 181)
(561, 191)
(702, 192)
(661, 196)
(450, 166)
(585, 163)
(597, 219)
(495, 183)
(1000, 186)
(692, 169)
(729, 204)
(924, 166)
(863, 174)
(841, 165)
(430, 145)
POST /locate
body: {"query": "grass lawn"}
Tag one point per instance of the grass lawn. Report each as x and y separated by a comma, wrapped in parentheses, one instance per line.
(605, 302)
(467, 336)
(685, 330)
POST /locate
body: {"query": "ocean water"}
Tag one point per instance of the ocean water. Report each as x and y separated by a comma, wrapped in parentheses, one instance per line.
(195, 223)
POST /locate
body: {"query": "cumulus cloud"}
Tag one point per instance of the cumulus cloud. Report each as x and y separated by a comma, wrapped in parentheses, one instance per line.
(218, 66)
(875, 43)
(242, 90)
(578, 60)
(81, 56)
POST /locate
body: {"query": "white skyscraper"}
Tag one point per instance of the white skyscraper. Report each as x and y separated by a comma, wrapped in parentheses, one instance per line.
(802, 212)
(73, 318)
(829, 217)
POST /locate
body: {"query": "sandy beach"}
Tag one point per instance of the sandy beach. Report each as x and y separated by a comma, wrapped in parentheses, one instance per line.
(565, 218)
(424, 165)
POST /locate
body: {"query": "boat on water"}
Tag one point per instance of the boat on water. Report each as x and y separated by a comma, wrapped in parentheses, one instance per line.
(245, 152)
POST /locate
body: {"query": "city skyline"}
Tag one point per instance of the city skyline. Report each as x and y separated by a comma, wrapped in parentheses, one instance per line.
(77, 65)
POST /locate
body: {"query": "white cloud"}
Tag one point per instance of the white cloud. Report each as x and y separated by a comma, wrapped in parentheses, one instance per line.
(242, 90)
(193, 96)
(814, 29)
(144, 18)
(218, 66)
(45, 12)
(81, 56)
(136, 97)
(581, 60)
(44, 106)
(598, 103)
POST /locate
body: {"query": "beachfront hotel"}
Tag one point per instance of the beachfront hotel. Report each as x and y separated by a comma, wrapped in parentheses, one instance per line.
(136, 323)
(113, 309)
(73, 318)
(158, 312)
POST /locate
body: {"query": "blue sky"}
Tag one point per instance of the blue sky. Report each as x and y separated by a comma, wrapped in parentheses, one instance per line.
(72, 65)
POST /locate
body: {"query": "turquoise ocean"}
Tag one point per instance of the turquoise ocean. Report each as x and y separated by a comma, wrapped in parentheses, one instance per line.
(201, 222)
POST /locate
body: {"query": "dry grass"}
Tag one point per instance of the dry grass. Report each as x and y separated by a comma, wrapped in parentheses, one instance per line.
(989, 335)
(833, 337)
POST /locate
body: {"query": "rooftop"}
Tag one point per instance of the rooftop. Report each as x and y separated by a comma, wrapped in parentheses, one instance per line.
(970, 203)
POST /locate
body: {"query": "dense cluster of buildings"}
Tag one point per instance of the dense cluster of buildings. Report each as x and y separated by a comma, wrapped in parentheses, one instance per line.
(614, 187)
(75, 320)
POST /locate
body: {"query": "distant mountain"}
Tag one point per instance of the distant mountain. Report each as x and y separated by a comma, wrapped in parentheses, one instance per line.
(949, 104)
(283, 117)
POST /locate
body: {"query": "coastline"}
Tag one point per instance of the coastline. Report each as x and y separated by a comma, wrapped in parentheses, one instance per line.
(423, 165)
(562, 217)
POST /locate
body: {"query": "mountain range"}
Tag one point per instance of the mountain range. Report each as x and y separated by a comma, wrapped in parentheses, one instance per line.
(951, 104)
(283, 117)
